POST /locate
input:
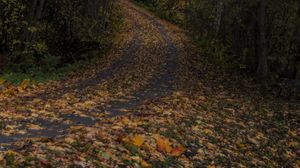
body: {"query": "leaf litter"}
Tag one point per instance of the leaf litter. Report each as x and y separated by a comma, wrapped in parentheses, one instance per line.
(212, 119)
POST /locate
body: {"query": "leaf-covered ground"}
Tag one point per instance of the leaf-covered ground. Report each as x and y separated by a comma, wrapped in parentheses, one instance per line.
(151, 102)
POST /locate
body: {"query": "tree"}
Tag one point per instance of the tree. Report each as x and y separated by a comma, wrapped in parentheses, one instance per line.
(262, 69)
(33, 32)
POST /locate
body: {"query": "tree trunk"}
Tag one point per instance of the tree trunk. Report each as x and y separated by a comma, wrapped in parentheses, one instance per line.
(262, 69)
(26, 34)
(38, 17)
(219, 18)
(34, 18)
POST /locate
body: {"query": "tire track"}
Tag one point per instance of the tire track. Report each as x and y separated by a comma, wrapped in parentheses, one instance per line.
(161, 84)
(58, 128)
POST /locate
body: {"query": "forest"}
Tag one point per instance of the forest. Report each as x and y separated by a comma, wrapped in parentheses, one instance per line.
(260, 37)
(257, 37)
(149, 83)
(38, 36)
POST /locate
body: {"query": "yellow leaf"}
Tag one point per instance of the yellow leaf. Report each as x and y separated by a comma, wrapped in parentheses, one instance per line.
(124, 110)
(10, 152)
(125, 121)
(297, 164)
(240, 145)
(290, 154)
(138, 140)
(34, 127)
(2, 81)
(196, 128)
(292, 133)
(9, 90)
(145, 164)
(202, 98)
(56, 148)
(1, 157)
(163, 144)
(23, 85)
(116, 127)
(293, 144)
(70, 140)
(22, 132)
(211, 166)
(126, 139)
(207, 132)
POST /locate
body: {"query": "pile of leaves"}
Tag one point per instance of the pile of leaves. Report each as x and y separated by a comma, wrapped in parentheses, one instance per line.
(176, 131)
(211, 119)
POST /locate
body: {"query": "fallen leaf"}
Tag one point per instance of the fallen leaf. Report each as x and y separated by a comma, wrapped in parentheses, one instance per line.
(293, 144)
(138, 140)
(56, 148)
(254, 141)
(125, 121)
(207, 132)
(70, 140)
(145, 164)
(1, 157)
(2, 81)
(34, 127)
(297, 165)
(196, 128)
(292, 133)
(179, 150)
(23, 85)
(105, 155)
(163, 144)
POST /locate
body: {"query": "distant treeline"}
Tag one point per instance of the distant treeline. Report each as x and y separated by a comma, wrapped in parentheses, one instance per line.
(258, 36)
(47, 33)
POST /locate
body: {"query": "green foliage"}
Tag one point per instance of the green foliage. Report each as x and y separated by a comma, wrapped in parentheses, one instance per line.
(170, 10)
(40, 75)
(234, 24)
(43, 37)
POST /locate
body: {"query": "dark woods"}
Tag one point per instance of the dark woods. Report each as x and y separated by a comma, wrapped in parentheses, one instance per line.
(260, 36)
(42, 33)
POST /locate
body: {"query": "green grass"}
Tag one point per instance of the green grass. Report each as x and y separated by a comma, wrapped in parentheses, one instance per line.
(38, 76)
(43, 76)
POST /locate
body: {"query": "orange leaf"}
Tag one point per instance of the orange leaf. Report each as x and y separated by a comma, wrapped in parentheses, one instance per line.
(125, 121)
(145, 164)
(297, 164)
(179, 150)
(163, 144)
